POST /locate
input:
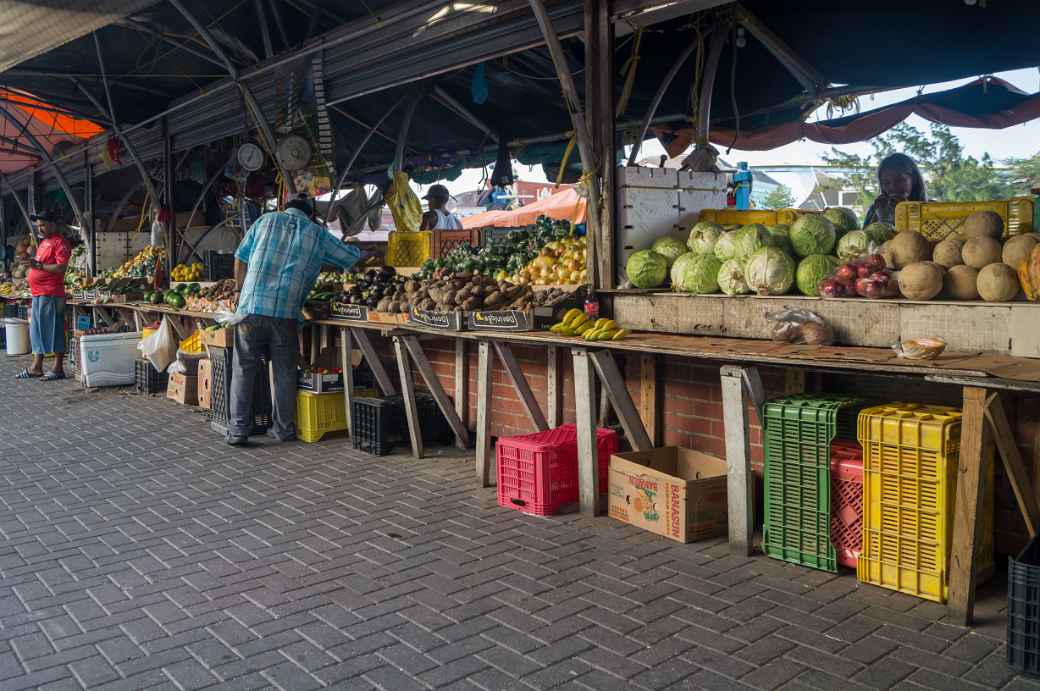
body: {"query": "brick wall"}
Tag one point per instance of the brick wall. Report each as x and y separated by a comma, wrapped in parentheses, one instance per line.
(691, 405)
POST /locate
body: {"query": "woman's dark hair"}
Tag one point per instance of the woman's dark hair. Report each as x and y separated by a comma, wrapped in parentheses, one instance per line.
(903, 164)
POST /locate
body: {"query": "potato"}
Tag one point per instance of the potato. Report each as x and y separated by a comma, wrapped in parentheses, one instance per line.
(998, 283)
(980, 252)
(948, 252)
(983, 224)
(908, 248)
(920, 280)
(960, 282)
(493, 301)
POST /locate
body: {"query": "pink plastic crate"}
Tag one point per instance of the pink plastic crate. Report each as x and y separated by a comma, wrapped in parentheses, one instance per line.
(847, 501)
(538, 473)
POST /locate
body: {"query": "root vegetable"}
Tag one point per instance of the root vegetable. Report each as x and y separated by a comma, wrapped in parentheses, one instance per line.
(1017, 249)
(907, 248)
(920, 280)
(983, 224)
(980, 252)
(948, 252)
(960, 282)
(998, 283)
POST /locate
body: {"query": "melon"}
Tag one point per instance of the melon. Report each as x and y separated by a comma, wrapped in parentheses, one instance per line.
(948, 252)
(998, 283)
(979, 252)
(960, 282)
(908, 247)
(983, 224)
(920, 281)
(1017, 249)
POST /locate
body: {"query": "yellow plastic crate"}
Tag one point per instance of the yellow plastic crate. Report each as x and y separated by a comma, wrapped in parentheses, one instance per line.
(910, 455)
(768, 217)
(409, 248)
(937, 220)
(193, 343)
(318, 414)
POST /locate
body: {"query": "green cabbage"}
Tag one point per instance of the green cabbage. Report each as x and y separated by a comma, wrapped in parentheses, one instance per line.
(854, 245)
(780, 236)
(679, 268)
(749, 240)
(843, 219)
(699, 275)
(725, 247)
(769, 272)
(880, 233)
(731, 278)
(703, 237)
(814, 269)
(670, 248)
(812, 234)
(646, 269)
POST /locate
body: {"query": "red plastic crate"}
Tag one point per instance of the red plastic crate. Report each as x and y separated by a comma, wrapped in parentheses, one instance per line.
(538, 473)
(847, 501)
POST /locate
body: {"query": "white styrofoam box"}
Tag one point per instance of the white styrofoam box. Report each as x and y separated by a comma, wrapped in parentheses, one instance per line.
(108, 359)
(698, 191)
(641, 176)
(114, 248)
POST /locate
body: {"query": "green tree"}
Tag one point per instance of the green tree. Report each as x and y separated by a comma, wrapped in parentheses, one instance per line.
(950, 174)
(1023, 173)
(779, 198)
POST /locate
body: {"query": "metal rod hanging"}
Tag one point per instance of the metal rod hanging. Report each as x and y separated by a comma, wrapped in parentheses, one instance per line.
(652, 110)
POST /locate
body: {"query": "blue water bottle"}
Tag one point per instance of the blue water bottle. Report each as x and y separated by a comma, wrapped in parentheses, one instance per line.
(742, 182)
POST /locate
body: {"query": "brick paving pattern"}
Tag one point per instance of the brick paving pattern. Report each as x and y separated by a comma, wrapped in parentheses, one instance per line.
(139, 552)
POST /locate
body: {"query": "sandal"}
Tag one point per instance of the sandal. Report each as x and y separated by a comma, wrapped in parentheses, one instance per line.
(52, 376)
(26, 374)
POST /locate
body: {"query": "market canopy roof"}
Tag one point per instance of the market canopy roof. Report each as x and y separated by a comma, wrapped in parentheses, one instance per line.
(26, 122)
(380, 49)
(565, 205)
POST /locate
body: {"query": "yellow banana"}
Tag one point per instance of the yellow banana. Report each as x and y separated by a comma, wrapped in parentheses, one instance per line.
(579, 320)
(621, 333)
(571, 314)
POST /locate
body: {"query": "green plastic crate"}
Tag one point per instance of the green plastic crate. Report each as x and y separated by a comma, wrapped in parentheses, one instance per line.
(798, 435)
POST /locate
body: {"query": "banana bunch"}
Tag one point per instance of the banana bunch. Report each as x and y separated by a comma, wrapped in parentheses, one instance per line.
(577, 323)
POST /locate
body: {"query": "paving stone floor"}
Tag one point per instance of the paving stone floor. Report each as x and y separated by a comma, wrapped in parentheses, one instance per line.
(139, 552)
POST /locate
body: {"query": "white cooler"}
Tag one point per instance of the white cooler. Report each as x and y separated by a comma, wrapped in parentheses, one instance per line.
(108, 359)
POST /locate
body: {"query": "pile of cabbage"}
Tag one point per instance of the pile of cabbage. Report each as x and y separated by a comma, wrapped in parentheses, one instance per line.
(760, 259)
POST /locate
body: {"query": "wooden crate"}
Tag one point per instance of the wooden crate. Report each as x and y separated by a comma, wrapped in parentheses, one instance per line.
(205, 384)
(445, 241)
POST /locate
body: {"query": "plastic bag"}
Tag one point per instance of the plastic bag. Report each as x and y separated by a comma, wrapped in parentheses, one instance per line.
(186, 363)
(161, 347)
(404, 204)
(228, 318)
(800, 326)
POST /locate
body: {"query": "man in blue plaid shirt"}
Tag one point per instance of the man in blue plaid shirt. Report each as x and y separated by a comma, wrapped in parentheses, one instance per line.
(276, 266)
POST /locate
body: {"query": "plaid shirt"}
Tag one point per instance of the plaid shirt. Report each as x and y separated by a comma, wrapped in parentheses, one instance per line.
(285, 252)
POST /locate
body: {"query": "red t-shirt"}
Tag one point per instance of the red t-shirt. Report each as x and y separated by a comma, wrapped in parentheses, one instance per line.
(52, 250)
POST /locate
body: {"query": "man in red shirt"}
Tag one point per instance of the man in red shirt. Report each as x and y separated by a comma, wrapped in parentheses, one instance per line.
(47, 284)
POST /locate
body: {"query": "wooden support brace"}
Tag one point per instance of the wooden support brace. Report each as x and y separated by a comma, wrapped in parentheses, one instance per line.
(649, 398)
(554, 387)
(516, 375)
(411, 411)
(614, 384)
(585, 407)
(740, 482)
(976, 453)
(447, 407)
(461, 382)
(346, 356)
(383, 380)
(1014, 466)
(486, 471)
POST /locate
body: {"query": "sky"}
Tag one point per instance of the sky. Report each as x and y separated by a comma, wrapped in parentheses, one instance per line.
(1019, 141)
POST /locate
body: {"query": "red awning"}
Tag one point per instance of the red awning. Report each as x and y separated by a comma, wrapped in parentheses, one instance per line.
(49, 127)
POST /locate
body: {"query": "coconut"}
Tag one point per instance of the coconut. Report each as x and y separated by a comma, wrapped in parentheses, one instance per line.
(907, 248)
(983, 224)
(948, 252)
(920, 281)
(960, 282)
(979, 252)
(998, 283)
(1017, 249)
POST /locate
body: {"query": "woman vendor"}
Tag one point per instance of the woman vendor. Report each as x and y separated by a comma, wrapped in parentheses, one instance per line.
(900, 180)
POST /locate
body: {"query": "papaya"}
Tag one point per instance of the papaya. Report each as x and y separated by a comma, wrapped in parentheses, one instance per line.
(1029, 275)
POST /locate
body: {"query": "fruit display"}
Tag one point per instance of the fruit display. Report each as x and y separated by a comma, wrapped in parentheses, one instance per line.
(187, 272)
(576, 323)
(176, 298)
(559, 262)
(141, 264)
(222, 296)
(17, 288)
(381, 289)
(463, 292)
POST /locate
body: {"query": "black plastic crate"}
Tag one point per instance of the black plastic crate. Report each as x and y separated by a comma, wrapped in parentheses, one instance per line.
(219, 265)
(1023, 614)
(149, 380)
(380, 423)
(435, 428)
(220, 407)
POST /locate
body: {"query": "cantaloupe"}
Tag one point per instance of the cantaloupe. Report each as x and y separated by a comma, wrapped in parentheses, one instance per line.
(920, 281)
(979, 252)
(948, 252)
(983, 224)
(1017, 249)
(909, 247)
(998, 283)
(960, 283)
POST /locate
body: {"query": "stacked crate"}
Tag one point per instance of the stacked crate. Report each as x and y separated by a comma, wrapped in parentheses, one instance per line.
(910, 455)
(799, 431)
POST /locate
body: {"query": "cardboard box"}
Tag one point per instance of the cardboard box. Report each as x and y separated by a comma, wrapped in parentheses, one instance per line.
(319, 382)
(218, 338)
(183, 389)
(674, 492)
(205, 384)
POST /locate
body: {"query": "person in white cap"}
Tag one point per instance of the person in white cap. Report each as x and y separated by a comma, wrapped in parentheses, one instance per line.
(437, 218)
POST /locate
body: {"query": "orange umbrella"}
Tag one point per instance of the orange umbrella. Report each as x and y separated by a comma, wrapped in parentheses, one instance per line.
(565, 205)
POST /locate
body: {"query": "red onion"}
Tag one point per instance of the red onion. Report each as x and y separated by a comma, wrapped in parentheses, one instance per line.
(874, 290)
(875, 261)
(861, 286)
(830, 288)
(846, 273)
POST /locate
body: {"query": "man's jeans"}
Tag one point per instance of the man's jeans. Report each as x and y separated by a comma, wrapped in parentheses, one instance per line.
(275, 339)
